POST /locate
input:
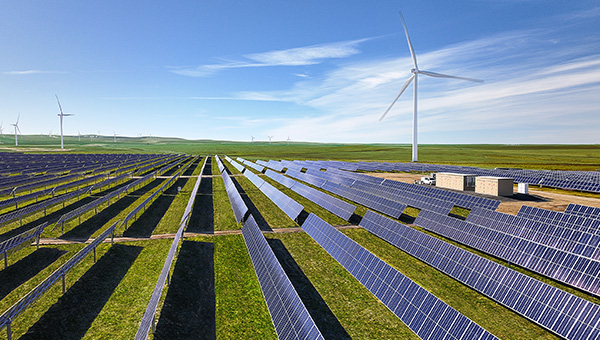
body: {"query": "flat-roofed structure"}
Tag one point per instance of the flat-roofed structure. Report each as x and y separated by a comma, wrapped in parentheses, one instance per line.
(497, 186)
(455, 181)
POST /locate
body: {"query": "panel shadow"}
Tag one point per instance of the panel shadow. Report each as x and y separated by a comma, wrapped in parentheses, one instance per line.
(72, 315)
(202, 219)
(324, 318)
(189, 308)
(26, 268)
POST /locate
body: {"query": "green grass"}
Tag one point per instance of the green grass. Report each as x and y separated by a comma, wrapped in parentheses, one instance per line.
(223, 213)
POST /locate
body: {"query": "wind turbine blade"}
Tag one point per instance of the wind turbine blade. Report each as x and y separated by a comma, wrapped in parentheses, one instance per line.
(398, 96)
(410, 46)
(439, 75)
(18, 117)
(58, 101)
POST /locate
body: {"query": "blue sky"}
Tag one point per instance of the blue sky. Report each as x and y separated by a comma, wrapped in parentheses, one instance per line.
(318, 71)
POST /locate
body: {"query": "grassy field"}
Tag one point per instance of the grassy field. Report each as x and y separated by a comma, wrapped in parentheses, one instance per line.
(559, 157)
(107, 299)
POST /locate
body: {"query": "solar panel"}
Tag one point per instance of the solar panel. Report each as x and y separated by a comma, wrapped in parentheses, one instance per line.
(381, 204)
(281, 179)
(237, 165)
(334, 205)
(254, 166)
(584, 224)
(237, 203)
(283, 201)
(257, 181)
(572, 269)
(425, 314)
(148, 318)
(7, 317)
(14, 243)
(528, 297)
(583, 210)
(316, 181)
(555, 236)
(289, 315)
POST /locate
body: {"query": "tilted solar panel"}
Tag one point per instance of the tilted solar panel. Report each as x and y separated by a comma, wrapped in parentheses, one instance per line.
(237, 203)
(425, 314)
(289, 315)
(284, 202)
(334, 205)
(281, 179)
(529, 297)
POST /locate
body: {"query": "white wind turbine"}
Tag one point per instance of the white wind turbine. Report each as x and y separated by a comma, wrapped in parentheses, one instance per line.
(252, 139)
(1, 131)
(16, 125)
(61, 115)
(270, 137)
(415, 73)
(114, 137)
(79, 135)
(288, 140)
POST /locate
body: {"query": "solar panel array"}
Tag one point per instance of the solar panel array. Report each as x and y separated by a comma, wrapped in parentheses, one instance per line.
(155, 194)
(16, 309)
(219, 164)
(572, 269)
(148, 318)
(425, 314)
(555, 236)
(561, 219)
(332, 204)
(18, 241)
(583, 210)
(565, 314)
(289, 315)
(33, 208)
(377, 203)
(281, 179)
(283, 201)
(254, 166)
(237, 203)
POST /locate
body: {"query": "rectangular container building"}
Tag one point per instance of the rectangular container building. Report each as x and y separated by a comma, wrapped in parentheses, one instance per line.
(454, 181)
(497, 186)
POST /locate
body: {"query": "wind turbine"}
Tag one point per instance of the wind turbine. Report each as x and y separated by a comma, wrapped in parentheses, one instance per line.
(16, 125)
(1, 131)
(61, 115)
(288, 140)
(79, 135)
(252, 139)
(415, 74)
(270, 137)
(114, 137)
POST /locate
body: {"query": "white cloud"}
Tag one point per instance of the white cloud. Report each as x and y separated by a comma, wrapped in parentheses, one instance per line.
(27, 72)
(299, 56)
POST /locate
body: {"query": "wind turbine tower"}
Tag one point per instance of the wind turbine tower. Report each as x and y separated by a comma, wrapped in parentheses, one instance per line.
(61, 115)
(415, 74)
(16, 125)
(270, 137)
(114, 137)
(79, 135)
(1, 131)
(252, 139)
(288, 140)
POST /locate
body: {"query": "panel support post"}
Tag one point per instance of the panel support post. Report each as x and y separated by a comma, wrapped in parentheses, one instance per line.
(63, 283)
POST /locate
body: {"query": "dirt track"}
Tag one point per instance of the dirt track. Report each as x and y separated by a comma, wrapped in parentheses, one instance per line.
(537, 198)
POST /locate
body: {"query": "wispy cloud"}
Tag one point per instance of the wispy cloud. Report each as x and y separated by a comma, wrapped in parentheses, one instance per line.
(301, 56)
(27, 72)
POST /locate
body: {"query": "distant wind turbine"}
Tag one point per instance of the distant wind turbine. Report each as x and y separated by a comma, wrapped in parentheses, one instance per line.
(415, 73)
(1, 131)
(270, 137)
(61, 115)
(16, 125)
(288, 140)
(79, 135)
(252, 139)
(114, 137)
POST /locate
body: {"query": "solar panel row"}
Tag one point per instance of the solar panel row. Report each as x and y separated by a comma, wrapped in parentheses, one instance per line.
(281, 200)
(7, 317)
(565, 314)
(316, 181)
(425, 314)
(583, 210)
(377, 203)
(254, 166)
(558, 237)
(561, 219)
(148, 318)
(14, 243)
(334, 205)
(572, 269)
(290, 317)
(281, 179)
(237, 203)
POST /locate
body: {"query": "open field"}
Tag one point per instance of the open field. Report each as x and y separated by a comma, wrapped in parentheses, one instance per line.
(214, 290)
(553, 157)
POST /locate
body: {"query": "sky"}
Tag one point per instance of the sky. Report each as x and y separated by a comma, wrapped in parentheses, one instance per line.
(314, 71)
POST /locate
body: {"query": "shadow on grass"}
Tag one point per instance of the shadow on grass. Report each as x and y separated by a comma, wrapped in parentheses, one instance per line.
(73, 313)
(189, 308)
(324, 318)
(203, 214)
(260, 220)
(147, 222)
(26, 268)
(93, 224)
(54, 216)
(208, 168)
(192, 167)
